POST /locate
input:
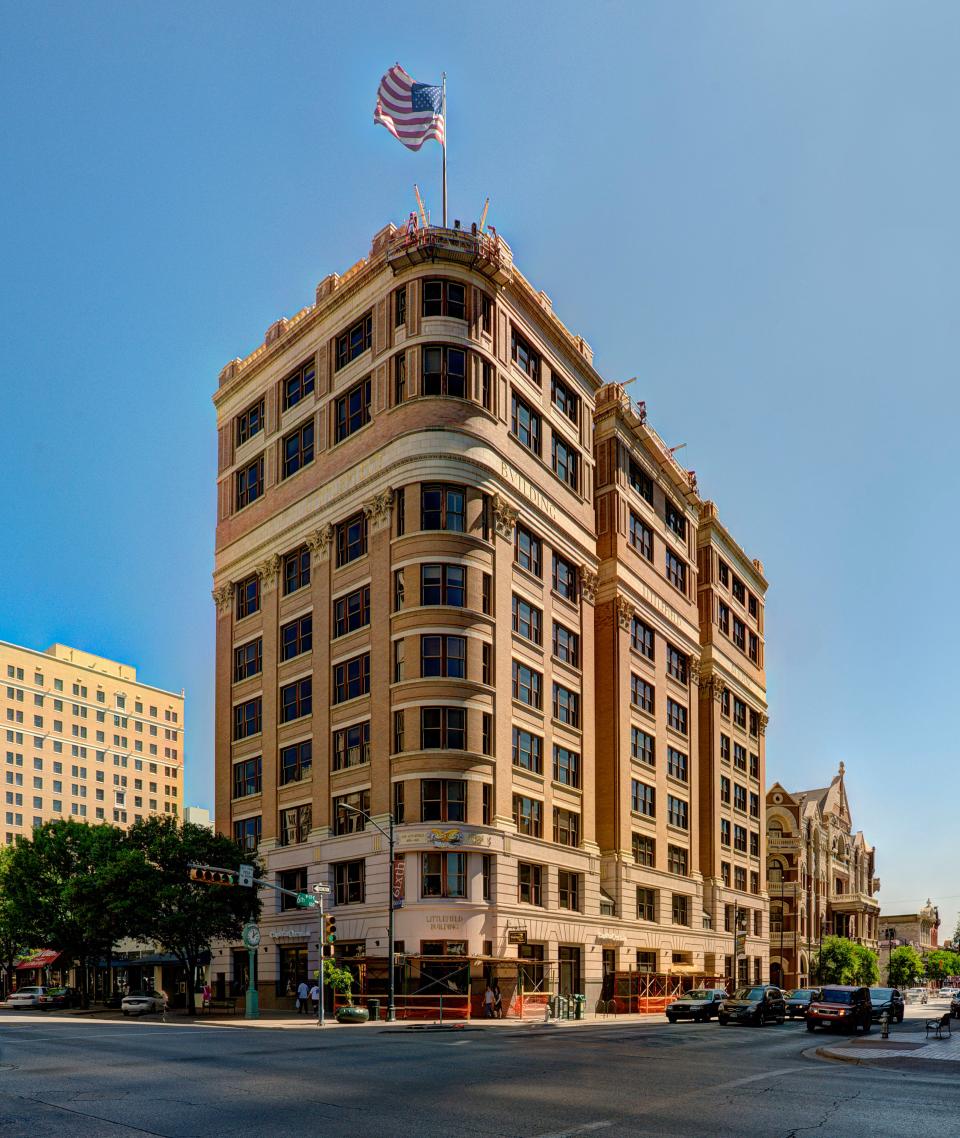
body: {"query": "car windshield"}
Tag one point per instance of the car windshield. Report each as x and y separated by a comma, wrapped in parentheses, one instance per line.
(28, 991)
(749, 994)
(835, 996)
(881, 993)
(697, 994)
(801, 994)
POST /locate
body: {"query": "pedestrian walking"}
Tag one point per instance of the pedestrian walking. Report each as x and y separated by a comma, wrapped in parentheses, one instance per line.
(207, 995)
(303, 994)
(488, 999)
(497, 1001)
(315, 997)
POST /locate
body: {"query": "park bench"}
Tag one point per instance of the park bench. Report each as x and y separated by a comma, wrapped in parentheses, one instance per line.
(938, 1024)
(228, 1005)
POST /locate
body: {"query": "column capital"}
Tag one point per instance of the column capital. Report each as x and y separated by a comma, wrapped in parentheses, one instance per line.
(504, 516)
(222, 597)
(589, 582)
(268, 571)
(379, 509)
(625, 612)
(319, 542)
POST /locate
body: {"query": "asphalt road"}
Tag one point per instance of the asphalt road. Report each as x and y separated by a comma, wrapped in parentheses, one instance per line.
(87, 1078)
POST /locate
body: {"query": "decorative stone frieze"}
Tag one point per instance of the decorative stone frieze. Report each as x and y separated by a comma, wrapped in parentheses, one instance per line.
(504, 517)
(379, 509)
(319, 542)
(589, 581)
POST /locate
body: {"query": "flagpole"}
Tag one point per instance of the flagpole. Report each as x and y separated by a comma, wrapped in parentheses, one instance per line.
(444, 106)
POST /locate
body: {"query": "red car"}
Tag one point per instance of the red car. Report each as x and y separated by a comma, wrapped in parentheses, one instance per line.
(842, 1006)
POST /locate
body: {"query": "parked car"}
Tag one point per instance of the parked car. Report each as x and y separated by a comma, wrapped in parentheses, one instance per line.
(25, 998)
(758, 1005)
(887, 1000)
(947, 993)
(60, 998)
(798, 1001)
(842, 1006)
(915, 996)
(955, 1006)
(140, 1003)
(699, 1005)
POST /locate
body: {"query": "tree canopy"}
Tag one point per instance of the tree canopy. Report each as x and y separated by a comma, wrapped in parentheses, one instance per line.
(905, 967)
(941, 964)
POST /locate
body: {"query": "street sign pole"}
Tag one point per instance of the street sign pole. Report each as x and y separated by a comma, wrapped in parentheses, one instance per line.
(321, 1014)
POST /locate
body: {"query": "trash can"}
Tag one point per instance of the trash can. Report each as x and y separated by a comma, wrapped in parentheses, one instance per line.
(579, 1002)
(373, 1007)
(552, 1006)
(563, 1008)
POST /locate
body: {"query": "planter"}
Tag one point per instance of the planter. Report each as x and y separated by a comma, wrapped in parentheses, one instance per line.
(352, 1015)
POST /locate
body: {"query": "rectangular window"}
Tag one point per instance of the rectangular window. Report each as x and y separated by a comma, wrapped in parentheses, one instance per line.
(564, 578)
(526, 359)
(566, 705)
(296, 699)
(250, 483)
(528, 816)
(444, 874)
(566, 645)
(641, 537)
(740, 797)
(247, 718)
(643, 798)
(527, 750)
(724, 832)
(676, 572)
(296, 570)
(563, 398)
(348, 811)
(351, 678)
(443, 585)
(398, 732)
(443, 728)
(349, 882)
(443, 800)
(727, 909)
(754, 648)
(676, 664)
(352, 410)
(351, 539)
(739, 633)
(351, 746)
(646, 904)
(247, 660)
(400, 307)
(754, 881)
(725, 790)
(399, 378)
(296, 637)
(247, 777)
(250, 423)
(443, 656)
(355, 341)
(444, 371)
(299, 384)
(565, 461)
(739, 713)
(754, 844)
(530, 883)
(754, 722)
(566, 766)
(642, 638)
(723, 617)
(641, 481)
(740, 878)
(724, 572)
(443, 508)
(246, 833)
(643, 747)
(527, 550)
(677, 860)
(568, 890)
(725, 748)
(351, 612)
(642, 694)
(681, 909)
(527, 620)
(676, 764)
(295, 823)
(566, 827)
(677, 812)
(527, 685)
(739, 757)
(754, 766)
(525, 424)
(740, 838)
(644, 850)
(675, 518)
(676, 716)
(298, 449)
(444, 298)
(296, 762)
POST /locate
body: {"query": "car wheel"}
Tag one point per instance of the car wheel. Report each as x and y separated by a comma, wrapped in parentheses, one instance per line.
(811, 1026)
(781, 1019)
(867, 1024)
(900, 1016)
(672, 1019)
(758, 1019)
(722, 1021)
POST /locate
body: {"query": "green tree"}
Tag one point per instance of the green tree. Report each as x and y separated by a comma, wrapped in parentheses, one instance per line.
(185, 917)
(866, 969)
(13, 941)
(940, 964)
(836, 962)
(904, 967)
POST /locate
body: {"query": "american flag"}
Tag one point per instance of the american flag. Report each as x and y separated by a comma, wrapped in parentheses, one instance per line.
(412, 112)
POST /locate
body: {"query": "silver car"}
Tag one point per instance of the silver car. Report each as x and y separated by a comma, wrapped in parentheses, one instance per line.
(25, 998)
(142, 1003)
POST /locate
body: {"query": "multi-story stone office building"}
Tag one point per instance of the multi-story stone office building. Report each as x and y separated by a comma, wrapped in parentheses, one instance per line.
(453, 568)
(85, 739)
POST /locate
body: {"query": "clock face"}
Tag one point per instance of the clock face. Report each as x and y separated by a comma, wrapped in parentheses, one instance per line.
(251, 936)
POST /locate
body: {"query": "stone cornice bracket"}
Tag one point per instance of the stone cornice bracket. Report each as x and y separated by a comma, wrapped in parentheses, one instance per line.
(319, 542)
(625, 613)
(589, 582)
(223, 597)
(379, 509)
(268, 571)
(504, 516)
(762, 725)
(693, 666)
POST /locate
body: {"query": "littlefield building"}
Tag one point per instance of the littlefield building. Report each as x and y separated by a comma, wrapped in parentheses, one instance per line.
(461, 580)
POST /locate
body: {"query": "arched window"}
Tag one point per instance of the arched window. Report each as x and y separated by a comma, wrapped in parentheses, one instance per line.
(775, 829)
(775, 872)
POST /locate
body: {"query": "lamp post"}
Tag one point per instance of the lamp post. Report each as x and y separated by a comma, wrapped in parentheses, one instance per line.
(391, 977)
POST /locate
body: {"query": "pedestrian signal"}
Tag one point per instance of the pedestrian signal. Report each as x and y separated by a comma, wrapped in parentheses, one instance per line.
(212, 876)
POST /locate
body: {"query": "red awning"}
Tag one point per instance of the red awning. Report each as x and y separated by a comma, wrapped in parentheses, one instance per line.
(42, 959)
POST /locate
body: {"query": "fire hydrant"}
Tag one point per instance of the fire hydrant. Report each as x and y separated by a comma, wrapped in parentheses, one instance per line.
(884, 1025)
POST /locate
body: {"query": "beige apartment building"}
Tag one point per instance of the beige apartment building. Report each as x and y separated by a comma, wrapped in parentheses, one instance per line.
(917, 930)
(84, 739)
(821, 878)
(457, 583)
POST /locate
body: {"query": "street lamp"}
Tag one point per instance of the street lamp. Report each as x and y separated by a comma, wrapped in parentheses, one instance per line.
(391, 978)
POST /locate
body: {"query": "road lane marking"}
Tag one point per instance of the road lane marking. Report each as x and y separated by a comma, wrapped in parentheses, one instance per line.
(585, 1129)
(756, 1078)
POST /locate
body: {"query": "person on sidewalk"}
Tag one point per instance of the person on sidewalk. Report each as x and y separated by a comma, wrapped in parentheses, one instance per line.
(303, 994)
(488, 999)
(315, 999)
(497, 1001)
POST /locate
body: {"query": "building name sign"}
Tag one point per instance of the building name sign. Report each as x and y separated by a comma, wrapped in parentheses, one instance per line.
(445, 920)
(284, 934)
(528, 490)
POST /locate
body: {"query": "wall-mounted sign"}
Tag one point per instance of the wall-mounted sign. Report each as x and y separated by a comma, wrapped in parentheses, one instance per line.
(446, 837)
(399, 877)
(516, 936)
(298, 934)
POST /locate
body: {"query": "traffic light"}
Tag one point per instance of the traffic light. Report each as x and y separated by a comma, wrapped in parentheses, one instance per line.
(329, 933)
(212, 876)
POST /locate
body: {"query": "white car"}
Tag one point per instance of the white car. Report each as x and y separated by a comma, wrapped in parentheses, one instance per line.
(915, 995)
(25, 998)
(948, 993)
(141, 1003)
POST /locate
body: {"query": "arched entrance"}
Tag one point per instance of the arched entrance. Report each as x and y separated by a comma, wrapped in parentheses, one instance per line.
(776, 973)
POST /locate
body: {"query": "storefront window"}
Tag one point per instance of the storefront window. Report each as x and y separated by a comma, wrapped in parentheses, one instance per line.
(292, 969)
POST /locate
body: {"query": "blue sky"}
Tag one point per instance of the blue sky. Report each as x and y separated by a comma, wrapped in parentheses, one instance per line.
(750, 206)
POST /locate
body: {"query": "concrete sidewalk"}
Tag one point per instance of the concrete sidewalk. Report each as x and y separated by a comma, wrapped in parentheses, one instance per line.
(908, 1047)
